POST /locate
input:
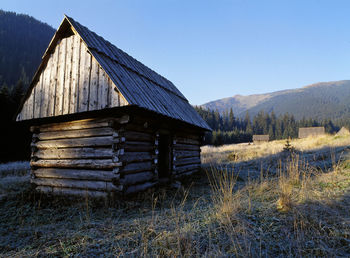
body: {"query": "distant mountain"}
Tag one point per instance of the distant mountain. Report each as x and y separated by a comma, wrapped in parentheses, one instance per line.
(23, 41)
(324, 100)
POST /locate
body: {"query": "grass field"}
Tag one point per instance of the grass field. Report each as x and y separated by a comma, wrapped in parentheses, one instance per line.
(249, 200)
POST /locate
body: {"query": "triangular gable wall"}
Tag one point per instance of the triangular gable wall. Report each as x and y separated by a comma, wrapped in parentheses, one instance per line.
(92, 74)
(70, 81)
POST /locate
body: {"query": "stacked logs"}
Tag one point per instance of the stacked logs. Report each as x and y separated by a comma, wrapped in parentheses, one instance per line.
(76, 158)
(139, 169)
(186, 155)
(97, 157)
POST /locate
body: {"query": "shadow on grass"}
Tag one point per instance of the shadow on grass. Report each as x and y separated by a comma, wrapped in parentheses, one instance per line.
(321, 159)
(34, 224)
(321, 228)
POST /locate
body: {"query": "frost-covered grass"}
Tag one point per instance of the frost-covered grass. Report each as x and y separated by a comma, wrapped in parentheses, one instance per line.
(13, 177)
(18, 168)
(301, 210)
(245, 152)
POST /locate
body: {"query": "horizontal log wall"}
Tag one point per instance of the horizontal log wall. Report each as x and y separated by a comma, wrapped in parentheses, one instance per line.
(186, 154)
(72, 81)
(139, 160)
(97, 156)
(77, 158)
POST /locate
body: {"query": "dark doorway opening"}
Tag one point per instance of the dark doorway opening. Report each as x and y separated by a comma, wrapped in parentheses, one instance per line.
(164, 157)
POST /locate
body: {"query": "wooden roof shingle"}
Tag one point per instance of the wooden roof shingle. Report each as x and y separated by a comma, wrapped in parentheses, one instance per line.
(139, 84)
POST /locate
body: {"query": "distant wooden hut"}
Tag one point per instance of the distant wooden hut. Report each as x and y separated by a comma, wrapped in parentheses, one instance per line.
(261, 138)
(343, 131)
(305, 132)
(104, 123)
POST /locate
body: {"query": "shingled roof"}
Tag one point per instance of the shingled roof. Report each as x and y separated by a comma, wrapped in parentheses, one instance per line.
(139, 84)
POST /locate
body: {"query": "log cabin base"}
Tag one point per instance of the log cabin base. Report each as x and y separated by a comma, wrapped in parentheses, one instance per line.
(98, 157)
(103, 123)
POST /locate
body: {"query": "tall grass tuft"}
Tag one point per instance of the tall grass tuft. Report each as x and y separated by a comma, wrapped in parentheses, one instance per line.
(226, 201)
(293, 183)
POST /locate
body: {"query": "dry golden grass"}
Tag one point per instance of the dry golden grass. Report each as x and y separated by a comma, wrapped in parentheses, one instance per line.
(300, 211)
(246, 152)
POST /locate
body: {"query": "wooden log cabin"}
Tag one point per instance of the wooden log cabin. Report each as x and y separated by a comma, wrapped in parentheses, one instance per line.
(305, 132)
(260, 138)
(103, 123)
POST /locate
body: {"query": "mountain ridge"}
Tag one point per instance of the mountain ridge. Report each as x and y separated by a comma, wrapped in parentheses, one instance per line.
(23, 40)
(322, 100)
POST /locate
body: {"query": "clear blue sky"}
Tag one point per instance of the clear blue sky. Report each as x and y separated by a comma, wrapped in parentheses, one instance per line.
(216, 49)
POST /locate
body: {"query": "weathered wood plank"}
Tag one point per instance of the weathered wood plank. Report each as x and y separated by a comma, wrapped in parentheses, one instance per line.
(104, 131)
(137, 178)
(53, 83)
(187, 161)
(136, 157)
(94, 90)
(75, 125)
(71, 192)
(186, 168)
(38, 90)
(137, 167)
(67, 75)
(74, 91)
(184, 174)
(76, 163)
(122, 100)
(60, 77)
(139, 188)
(132, 179)
(135, 148)
(45, 88)
(30, 106)
(186, 157)
(137, 143)
(25, 110)
(183, 153)
(41, 94)
(80, 184)
(188, 134)
(181, 140)
(74, 153)
(186, 147)
(84, 83)
(113, 94)
(80, 174)
(138, 136)
(75, 142)
(102, 89)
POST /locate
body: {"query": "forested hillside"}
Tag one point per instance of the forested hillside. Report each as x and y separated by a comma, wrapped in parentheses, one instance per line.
(23, 41)
(326, 100)
(227, 128)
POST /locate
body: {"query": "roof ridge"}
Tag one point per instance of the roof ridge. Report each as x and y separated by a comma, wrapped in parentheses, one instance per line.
(132, 70)
(125, 63)
(146, 88)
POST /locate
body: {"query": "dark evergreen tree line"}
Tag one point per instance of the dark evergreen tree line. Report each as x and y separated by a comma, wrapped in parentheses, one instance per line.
(23, 41)
(230, 129)
(15, 138)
